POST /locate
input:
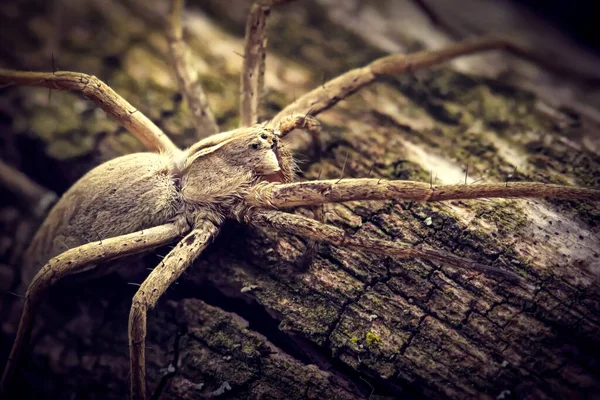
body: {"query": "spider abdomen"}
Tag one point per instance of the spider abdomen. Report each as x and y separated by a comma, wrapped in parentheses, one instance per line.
(121, 196)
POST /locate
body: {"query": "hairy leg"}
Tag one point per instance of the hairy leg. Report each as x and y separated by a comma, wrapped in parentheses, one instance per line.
(94, 89)
(72, 261)
(150, 291)
(309, 228)
(313, 127)
(204, 120)
(253, 70)
(306, 123)
(334, 191)
(330, 93)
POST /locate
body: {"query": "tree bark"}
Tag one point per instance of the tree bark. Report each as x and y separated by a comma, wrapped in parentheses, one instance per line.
(244, 321)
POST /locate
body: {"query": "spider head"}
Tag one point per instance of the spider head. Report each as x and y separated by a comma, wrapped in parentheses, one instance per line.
(249, 154)
(255, 150)
(263, 148)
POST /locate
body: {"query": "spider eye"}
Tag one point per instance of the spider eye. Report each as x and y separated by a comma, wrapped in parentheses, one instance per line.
(254, 145)
(264, 136)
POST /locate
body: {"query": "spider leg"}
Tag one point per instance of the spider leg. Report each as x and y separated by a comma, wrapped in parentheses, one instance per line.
(204, 120)
(74, 260)
(253, 70)
(311, 125)
(285, 126)
(309, 228)
(37, 198)
(100, 93)
(305, 122)
(327, 95)
(171, 267)
(333, 191)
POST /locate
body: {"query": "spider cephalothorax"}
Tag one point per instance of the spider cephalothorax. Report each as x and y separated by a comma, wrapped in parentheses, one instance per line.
(248, 156)
(138, 202)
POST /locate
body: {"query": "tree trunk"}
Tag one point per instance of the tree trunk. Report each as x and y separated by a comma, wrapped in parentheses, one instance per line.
(245, 322)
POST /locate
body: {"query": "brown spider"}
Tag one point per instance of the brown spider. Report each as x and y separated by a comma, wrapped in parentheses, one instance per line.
(146, 200)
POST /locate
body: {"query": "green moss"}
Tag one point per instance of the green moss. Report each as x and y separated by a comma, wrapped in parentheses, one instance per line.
(556, 157)
(58, 117)
(62, 149)
(213, 84)
(250, 350)
(507, 216)
(125, 143)
(407, 170)
(222, 339)
(372, 339)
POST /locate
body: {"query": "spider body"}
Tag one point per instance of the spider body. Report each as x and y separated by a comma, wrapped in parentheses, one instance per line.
(99, 205)
(142, 190)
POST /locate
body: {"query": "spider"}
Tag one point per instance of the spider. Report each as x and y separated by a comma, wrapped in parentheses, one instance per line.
(246, 174)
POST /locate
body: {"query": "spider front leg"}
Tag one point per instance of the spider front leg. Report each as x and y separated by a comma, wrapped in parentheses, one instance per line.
(333, 191)
(306, 123)
(315, 193)
(150, 291)
(313, 127)
(329, 94)
(314, 230)
(100, 93)
(72, 261)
